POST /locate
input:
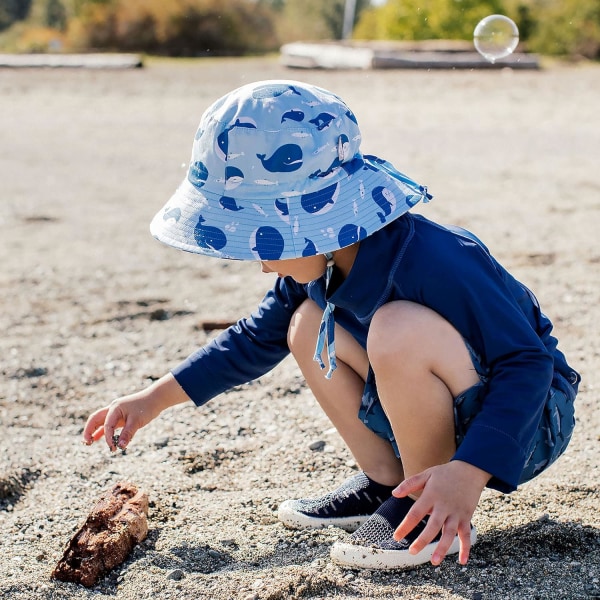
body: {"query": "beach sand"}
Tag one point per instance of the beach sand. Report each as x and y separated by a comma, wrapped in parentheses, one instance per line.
(94, 308)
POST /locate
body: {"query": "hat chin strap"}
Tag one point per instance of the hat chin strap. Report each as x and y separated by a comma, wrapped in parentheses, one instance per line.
(327, 326)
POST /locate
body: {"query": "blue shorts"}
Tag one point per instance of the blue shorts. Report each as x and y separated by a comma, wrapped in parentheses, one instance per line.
(550, 441)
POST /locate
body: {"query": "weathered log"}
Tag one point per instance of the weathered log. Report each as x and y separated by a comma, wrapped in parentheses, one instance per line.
(81, 61)
(114, 526)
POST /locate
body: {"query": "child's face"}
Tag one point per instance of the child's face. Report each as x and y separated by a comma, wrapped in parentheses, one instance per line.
(303, 269)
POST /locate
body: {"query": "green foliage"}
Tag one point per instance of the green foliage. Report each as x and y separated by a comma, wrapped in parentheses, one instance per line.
(55, 15)
(197, 27)
(567, 27)
(276, 5)
(176, 28)
(300, 20)
(559, 27)
(332, 13)
(12, 11)
(425, 19)
(312, 19)
(212, 29)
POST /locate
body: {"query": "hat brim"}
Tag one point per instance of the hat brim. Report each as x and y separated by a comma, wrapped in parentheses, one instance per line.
(362, 198)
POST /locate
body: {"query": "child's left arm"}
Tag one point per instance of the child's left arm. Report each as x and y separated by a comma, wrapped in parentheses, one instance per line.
(449, 495)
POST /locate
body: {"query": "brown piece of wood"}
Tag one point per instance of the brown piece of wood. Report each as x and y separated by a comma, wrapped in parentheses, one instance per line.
(212, 325)
(114, 526)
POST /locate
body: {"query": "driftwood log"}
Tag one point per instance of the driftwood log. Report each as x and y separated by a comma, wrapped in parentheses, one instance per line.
(114, 526)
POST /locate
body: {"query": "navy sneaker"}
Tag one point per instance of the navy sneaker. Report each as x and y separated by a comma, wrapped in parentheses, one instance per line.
(347, 507)
(372, 546)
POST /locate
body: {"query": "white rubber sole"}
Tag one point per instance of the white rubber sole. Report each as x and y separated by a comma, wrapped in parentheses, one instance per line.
(367, 557)
(296, 520)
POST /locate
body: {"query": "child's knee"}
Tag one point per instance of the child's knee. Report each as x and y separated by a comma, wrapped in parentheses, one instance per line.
(408, 338)
(304, 326)
(395, 327)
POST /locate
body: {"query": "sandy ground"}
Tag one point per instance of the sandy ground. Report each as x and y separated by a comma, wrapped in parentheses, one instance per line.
(94, 308)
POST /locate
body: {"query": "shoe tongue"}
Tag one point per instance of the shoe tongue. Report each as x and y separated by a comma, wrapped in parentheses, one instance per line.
(393, 510)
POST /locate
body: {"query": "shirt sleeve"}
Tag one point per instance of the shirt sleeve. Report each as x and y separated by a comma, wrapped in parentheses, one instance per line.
(467, 287)
(244, 351)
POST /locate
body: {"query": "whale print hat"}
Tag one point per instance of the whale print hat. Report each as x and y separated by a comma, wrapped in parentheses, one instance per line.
(276, 172)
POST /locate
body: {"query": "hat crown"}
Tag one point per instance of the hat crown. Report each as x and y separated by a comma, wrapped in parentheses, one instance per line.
(277, 173)
(273, 139)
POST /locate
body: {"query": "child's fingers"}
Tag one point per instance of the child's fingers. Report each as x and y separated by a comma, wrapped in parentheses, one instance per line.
(464, 535)
(129, 426)
(411, 485)
(93, 425)
(413, 517)
(446, 540)
(114, 419)
(126, 436)
(433, 527)
(98, 434)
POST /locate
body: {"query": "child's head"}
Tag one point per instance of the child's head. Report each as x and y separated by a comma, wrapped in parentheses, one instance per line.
(276, 173)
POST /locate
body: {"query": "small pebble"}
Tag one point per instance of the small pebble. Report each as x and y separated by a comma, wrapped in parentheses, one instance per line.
(317, 446)
(176, 575)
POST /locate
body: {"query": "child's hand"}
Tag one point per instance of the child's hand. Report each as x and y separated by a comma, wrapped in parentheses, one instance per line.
(129, 413)
(132, 412)
(450, 493)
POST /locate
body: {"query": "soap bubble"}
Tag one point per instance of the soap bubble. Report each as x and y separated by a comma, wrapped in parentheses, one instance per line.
(495, 37)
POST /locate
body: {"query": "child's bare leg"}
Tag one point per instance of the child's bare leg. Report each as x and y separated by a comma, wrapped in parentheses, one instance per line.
(341, 395)
(421, 364)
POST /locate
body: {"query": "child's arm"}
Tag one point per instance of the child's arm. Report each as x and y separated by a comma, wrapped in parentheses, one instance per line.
(239, 354)
(132, 412)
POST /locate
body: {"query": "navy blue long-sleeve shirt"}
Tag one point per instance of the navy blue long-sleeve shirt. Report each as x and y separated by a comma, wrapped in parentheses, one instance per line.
(448, 271)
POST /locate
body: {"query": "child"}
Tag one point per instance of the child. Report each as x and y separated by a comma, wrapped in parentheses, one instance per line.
(442, 377)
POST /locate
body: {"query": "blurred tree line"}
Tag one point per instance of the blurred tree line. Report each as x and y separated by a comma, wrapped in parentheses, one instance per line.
(553, 27)
(237, 27)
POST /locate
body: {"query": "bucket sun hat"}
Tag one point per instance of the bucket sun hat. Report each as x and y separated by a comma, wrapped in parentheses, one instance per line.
(276, 172)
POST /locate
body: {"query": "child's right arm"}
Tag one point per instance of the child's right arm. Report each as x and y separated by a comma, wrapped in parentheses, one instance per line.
(133, 412)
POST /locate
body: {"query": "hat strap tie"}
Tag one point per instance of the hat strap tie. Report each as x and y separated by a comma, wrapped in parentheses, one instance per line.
(327, 326)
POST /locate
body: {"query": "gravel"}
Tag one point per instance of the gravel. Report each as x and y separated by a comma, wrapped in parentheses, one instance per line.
(94, 309)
